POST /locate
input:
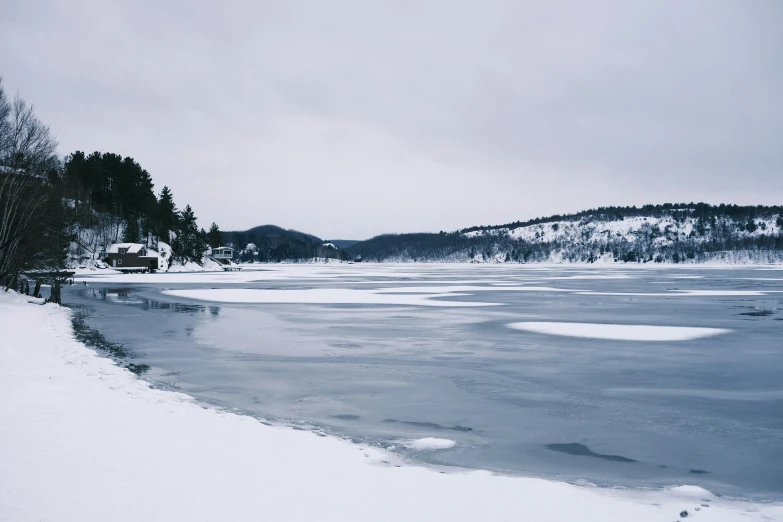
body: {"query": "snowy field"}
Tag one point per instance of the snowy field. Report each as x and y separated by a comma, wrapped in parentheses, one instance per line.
(84, 439)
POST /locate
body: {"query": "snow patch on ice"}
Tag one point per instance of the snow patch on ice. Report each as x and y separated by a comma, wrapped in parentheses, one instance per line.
(320, 296)
(429, 444)
(692, 491)
(688, 293)
(618, 332)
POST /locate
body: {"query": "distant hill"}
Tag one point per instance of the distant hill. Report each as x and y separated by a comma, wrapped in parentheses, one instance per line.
(272, 243)
(668, 233)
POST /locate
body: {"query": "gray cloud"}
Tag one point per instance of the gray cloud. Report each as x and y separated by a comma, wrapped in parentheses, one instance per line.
(352, 118)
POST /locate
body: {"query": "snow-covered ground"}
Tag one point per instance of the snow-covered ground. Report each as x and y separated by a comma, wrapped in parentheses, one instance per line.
(82, 439)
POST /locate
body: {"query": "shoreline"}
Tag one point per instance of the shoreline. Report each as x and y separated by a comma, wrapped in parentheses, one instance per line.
(84, 439)
(271, 267)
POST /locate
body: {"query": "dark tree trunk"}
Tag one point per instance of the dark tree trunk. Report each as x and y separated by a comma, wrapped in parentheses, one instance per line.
(54, 297)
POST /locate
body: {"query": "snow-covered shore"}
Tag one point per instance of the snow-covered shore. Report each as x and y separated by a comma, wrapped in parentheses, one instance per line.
(82, 439)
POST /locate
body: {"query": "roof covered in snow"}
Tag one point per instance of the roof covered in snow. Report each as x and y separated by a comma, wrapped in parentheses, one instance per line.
(130, 248)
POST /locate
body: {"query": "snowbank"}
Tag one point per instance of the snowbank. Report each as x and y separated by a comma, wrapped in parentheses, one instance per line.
(84, 440)
(166, 262)
(165, 256)
(11, 294)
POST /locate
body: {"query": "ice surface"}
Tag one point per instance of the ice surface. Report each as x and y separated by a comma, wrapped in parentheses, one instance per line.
(672, 406)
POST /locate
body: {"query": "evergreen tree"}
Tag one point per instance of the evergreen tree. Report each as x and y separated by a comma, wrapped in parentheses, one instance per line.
(190, 243)
(132, 230)
(166, 216)
(214, 236)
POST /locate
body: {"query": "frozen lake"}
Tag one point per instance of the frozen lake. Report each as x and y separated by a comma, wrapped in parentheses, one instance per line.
(629, 376)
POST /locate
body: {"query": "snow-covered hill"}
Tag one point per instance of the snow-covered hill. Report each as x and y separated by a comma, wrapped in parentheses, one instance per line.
(661, 231)
(663, 234)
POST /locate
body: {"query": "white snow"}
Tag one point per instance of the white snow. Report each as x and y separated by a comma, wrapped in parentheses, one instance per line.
(666, 230)
(321, 296)
(694, 491)
(84, 440)
(578, 236)
(130, 248)
(207, 265)
(618, 332)
(165, 255)
(468, 288)
(28, 298)
(689, 293)
(429, 443)
(401, 295)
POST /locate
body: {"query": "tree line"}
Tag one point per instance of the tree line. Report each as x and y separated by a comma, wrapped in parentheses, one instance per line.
(51, 206)
(113, 198)
(270, 243)
(681, 211)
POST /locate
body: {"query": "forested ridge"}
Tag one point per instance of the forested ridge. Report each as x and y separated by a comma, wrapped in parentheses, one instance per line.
(270, 243)
(670, 233)
(703, 211)
(112, 199)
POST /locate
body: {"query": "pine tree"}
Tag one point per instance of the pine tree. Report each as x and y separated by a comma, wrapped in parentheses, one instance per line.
(190, 241)
(214, 236)
(166, 219)
(132, 231)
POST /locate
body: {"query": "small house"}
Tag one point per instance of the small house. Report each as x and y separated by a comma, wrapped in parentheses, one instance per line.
(131, 257)
(223, 252)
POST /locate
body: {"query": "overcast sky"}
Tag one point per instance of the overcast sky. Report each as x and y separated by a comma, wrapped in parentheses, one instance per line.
(348, 119)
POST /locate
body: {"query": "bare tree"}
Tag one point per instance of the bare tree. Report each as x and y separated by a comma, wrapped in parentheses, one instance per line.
(27, 154)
